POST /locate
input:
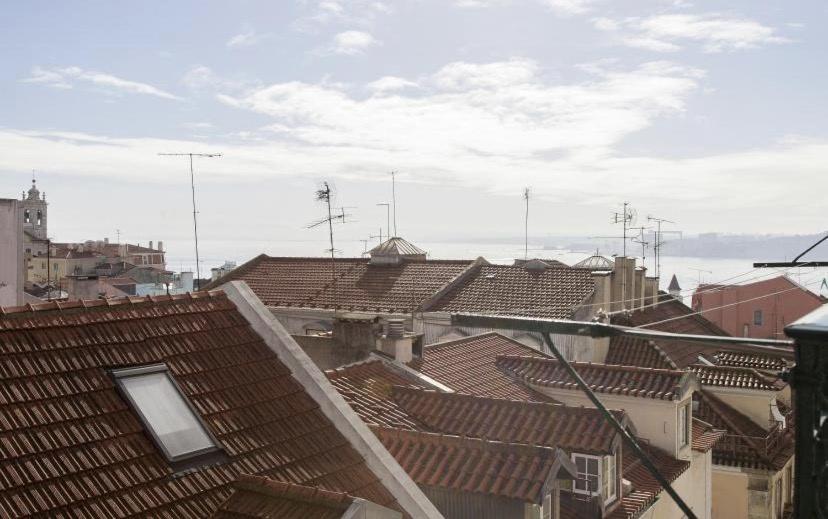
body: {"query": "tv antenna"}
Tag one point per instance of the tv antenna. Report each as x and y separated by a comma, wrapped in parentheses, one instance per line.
(526, 225)
(659, 241)
(640, 239)
(195, 212)
(626, 219)
(394, 199)
(325, 194)
(118, 236)
(387, 219)
(700, 271)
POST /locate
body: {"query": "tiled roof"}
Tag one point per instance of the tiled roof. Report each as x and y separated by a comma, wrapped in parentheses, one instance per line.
(467, 365)
(307, 282)
(631, 351)
(645, 488)
(667, 308)
(662, 384)
(508, 290)
(256, 497)
(368, 387)
(71, 445)
(741, 378)
(553, 425)
(471, 465)
(382, 396)
(705, 436)
(746, 444)
(750, 360)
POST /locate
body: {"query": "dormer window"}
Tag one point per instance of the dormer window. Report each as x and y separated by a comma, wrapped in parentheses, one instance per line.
(166, 414)
(596, 474)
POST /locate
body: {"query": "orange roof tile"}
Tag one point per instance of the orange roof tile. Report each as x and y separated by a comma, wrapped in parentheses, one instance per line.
(360, 286)
(741, 378)
(705, 436)
(553, 425)
(368, 388)
(471, 465)
(662, 384)
(669, 307)
(467, 365)
(257, 497)
(513, 290)
(750, 360)
(71, 445)
(631, 351)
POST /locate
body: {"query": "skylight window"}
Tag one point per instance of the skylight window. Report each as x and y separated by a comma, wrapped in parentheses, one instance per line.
(167, 415)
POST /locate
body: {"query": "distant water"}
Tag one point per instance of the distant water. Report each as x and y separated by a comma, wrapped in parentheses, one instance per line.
(688, 270)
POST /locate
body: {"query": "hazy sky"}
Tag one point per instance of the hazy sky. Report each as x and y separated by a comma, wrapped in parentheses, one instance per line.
(712, 115)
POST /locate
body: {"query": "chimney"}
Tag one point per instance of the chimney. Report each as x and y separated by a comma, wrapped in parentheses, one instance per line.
(150, 244)
(623, 283)
(106, 241)
(187, 281)
(650, 290)
(356, 331)
(396, 342)
(638, 289)
(160, 245)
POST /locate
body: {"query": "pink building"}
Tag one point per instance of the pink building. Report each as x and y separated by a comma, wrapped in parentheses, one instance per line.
(748, 314)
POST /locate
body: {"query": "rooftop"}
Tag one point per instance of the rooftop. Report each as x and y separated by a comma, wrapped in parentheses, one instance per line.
(731, 377)
(659, 384)
(359, 286)
(468, 365)
(259, 497)
(73, 445)
(552, 292)
(474, 465)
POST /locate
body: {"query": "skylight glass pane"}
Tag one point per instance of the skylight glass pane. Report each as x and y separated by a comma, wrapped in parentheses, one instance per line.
(165, 411)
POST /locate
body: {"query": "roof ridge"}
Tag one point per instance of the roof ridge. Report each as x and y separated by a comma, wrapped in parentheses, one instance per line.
(60, 306)
(485, 444)
(614, 367)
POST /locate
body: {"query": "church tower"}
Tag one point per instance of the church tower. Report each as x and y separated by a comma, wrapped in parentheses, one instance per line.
(34, 212)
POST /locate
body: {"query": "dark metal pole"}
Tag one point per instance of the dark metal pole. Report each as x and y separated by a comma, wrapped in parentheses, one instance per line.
(195, 225)
(645, 459)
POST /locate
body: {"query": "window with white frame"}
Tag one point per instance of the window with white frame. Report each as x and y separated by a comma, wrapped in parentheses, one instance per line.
(588, 470)
(609, 477)
(685, 418)
(164, 411)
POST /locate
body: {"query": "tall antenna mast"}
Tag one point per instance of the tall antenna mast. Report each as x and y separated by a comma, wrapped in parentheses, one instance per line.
(324, 195)
(195, 212)
(394, 199)
(387, 219)
(625, 218)
(526, 225)
(658, 241)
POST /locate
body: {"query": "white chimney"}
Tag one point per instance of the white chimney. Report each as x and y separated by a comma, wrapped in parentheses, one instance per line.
(395, 342)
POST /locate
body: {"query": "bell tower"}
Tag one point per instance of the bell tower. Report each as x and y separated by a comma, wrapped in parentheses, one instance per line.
(34, 211)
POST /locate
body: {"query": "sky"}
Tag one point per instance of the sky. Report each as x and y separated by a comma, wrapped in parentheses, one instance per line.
(711, 115)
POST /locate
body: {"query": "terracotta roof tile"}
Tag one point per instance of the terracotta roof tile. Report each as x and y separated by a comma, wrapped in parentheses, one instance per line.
(258, 497)
(467, 365)
(645, 488)
(745, 444)
(750, 360)
(552, 425)
(368, 388)
(471, 465)
(72, 446)
(668, 308)
(660, 384)
(631, 351)
(705, 436)
(307, 282)
(512, 290)
(741, 378)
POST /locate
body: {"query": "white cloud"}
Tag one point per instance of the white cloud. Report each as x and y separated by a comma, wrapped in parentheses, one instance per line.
(247, 38)
(67, 76)
(345, 12)
(201, 78)
(561, 7)
(390, 84)
(353, 42)
(668, 32)
(198, 126)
